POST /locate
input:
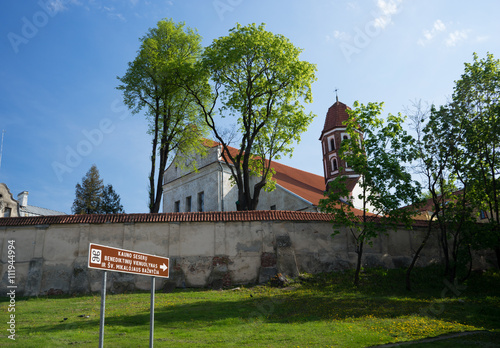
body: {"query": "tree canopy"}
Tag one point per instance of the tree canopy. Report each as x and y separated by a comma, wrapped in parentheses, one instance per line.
(154, 82)
(92, 197)
(258, 81)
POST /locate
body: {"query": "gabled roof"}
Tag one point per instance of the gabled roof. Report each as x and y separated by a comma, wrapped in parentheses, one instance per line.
(307, 185)
(304, 184)
(31, 210)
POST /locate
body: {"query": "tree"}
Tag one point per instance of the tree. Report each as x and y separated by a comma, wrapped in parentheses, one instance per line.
(110, 203)
(89, 193)
(153, 82)
(377, 151)
(442, 163)
(257, 79)
(92, 197)
(476, 106)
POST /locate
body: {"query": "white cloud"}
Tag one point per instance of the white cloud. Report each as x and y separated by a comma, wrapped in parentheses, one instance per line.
(387, 9)
(437, 27)
(455, 37)
(341, 35)
(60, 5)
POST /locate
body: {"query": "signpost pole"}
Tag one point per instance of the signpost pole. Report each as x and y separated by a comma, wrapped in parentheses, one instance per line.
(152, 314)
(127, 261)
(103, 309)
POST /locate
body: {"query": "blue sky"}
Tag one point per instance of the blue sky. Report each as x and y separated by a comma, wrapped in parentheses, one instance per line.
(59, 61)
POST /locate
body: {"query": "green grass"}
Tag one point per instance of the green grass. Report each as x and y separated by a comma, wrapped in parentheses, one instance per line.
(319, 311)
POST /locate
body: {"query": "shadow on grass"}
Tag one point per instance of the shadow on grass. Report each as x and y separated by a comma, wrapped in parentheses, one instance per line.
(296, 307)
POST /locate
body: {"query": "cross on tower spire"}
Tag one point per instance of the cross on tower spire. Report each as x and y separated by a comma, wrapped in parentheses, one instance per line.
(336, 94)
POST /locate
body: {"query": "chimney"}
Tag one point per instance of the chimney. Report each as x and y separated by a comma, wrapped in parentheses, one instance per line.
(22, 198)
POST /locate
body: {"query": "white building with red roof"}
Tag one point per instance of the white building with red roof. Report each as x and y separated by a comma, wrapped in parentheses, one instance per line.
(210, 189)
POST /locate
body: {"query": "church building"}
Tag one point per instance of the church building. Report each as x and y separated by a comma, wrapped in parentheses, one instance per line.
(210, 189)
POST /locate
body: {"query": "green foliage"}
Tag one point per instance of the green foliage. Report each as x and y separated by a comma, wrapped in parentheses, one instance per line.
(257, 80)
(377, 150)
(156, 83)
(110, 203)
(476, 107)
(458, 146)
(92, 197)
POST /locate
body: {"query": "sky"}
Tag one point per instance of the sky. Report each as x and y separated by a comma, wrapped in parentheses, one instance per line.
(60, 111)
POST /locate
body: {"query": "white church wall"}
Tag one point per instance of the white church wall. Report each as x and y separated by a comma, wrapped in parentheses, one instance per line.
(213, 178)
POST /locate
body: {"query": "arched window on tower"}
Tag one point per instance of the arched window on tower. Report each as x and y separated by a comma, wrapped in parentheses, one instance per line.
(331, 143)
(335, 166)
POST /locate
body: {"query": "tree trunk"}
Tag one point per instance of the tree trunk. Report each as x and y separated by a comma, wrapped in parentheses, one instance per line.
(497, 252)
(153, 163)
(359, 251)
(415, 257)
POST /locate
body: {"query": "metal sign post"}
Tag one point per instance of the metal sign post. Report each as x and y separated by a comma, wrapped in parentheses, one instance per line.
(152, 314)
(126, 261)
(103, 310)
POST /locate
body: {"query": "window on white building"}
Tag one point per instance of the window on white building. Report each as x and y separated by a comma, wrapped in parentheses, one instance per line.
(188, 204)
(201, 201)
(177, 206)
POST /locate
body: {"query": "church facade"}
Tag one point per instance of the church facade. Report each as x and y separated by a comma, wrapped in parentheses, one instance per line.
(209, 188)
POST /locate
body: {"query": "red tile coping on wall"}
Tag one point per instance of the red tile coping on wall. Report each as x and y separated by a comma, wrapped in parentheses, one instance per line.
(229, 216)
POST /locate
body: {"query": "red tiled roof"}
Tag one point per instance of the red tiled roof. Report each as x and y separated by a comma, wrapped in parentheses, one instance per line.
(335, 116)
(229, 216)
(306, 185)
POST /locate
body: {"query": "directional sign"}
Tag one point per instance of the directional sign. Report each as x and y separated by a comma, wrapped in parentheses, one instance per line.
(127, 261)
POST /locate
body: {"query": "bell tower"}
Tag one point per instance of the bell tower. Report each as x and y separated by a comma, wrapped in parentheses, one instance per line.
(334, 132)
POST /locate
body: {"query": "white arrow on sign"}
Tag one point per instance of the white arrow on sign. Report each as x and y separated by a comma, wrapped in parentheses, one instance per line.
(164, 267)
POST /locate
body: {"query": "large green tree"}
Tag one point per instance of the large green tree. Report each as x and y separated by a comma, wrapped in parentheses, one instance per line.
(154, 83)
(377, 150)
(92, 197)
(257, 82)
(458, 148)
(476, 106)
(441, 163)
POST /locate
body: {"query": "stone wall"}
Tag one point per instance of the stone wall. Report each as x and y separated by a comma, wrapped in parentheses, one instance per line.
(52, 258)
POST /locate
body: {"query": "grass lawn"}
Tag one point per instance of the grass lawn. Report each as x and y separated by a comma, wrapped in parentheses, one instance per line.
(319, 311)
